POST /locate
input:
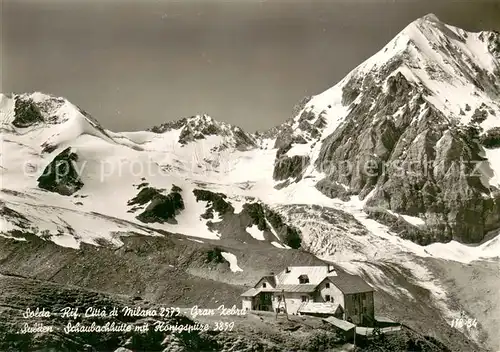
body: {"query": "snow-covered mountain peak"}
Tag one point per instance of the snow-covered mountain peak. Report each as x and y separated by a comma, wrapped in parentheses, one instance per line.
(197, 122)
(52, 121)
(399, 106)
(30, 109)
(448, 68)
(428, 40)
(200, 127)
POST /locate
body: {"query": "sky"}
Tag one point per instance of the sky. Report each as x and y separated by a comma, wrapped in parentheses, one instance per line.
(136, 64)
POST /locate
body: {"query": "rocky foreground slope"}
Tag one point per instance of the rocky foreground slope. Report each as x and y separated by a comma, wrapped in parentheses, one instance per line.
(253, 332)
(389, 174)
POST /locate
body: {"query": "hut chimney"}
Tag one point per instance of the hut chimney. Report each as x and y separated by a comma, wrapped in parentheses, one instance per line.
(331, 268)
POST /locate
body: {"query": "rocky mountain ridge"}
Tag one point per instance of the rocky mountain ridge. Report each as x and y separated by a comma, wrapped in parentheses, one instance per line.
(202, 126)
(402, 139)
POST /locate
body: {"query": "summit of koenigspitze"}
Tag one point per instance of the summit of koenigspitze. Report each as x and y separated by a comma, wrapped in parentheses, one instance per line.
(390, 174)
(425, 102)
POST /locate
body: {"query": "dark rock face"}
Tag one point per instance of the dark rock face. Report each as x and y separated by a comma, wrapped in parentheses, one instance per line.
(420, 164)
(289, 234)
(190, 134)
(26, 113)
(60, 175)
(351, 91)
(145, 196)
(494, 48)
(176, 189)
(265, 218)
(216, 203)
(309, 127)
(214, 256)
(352, 155)
(398, 225)
(479, 116)
(284, 138)
(243, 140)
(286, 167)
(491, 139)
(257, 212)
(168, 126)
(333, 189)
(162, 208)
(299, 129)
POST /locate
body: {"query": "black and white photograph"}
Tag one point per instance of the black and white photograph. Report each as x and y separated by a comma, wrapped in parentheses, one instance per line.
(250, 175)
